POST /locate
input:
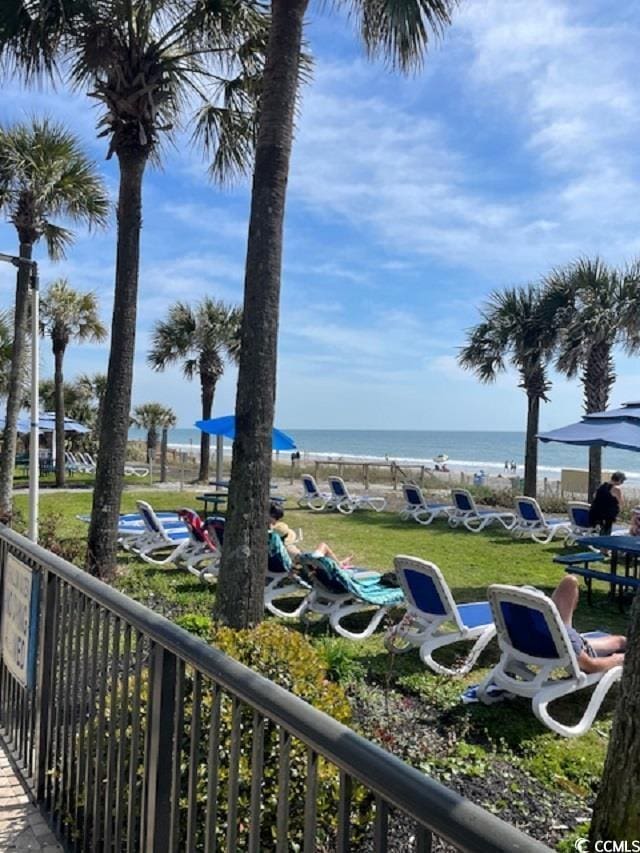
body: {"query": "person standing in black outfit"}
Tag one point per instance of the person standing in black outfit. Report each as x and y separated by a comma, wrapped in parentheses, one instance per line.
(607, 503)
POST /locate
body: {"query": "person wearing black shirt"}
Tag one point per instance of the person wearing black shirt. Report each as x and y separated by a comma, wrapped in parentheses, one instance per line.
(606, 504)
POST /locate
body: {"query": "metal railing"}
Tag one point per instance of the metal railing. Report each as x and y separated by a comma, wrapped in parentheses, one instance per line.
(138, 736)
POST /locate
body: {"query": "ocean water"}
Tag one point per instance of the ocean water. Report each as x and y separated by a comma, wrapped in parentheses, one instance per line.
(467, 450)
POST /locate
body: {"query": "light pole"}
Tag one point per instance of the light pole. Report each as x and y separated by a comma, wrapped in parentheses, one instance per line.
(34, 441)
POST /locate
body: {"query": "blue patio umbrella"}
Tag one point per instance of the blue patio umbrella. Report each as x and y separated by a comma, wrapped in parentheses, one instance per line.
(613, 428)
(226, 426)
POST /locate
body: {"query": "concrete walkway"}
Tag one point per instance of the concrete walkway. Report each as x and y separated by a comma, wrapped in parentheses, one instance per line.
(21, 825)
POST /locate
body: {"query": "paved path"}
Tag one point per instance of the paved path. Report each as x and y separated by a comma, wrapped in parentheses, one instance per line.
(21, 825)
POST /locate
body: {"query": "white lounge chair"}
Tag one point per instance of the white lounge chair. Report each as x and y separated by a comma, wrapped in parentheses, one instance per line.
(159, 537)
(347, 503)
(337, 593)
(530, 521)
(418, 508)
(580, 524)
(202, 555)
(312, 497)
(132, 470)
(538, 660)
(433, 619)
(467, 514)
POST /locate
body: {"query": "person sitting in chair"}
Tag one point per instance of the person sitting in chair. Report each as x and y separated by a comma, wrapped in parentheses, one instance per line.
(596, 654)
(606, 504)
(288, 536)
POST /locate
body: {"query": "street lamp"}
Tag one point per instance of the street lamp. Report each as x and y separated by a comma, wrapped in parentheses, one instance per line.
(34, 441)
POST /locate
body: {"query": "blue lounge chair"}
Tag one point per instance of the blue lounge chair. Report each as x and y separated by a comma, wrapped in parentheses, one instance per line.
(418, 508)
(337, 593)
(531, 522)
(466, 513)
(434, 620)
(347, 503)
(538, 660)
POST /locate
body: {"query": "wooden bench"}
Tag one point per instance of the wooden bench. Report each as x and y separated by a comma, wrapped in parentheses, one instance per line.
(621, 581)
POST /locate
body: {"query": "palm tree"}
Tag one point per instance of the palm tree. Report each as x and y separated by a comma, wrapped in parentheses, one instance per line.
(399, 32)
(167, 422)
(78, 404)
(201, 337)
(44, 176)
(67, 315)
(146, 63)
(152, 417)
(515, 329)
(95, 388)
(6, 349)
(597, 310)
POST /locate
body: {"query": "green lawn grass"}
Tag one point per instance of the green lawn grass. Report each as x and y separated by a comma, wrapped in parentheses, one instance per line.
(505, 732)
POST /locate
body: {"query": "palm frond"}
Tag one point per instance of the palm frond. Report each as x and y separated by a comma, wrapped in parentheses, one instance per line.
(400, 31)
(57, 238)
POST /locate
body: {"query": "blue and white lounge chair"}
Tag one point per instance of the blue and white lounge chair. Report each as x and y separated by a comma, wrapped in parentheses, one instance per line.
(346, 503)
(580, 524)
(312, 497)
(131, 525)
(434, 620)
(466, 513)
(337, 593)
(531, 522)
(159, 536)
(538, 660)
(418, 508)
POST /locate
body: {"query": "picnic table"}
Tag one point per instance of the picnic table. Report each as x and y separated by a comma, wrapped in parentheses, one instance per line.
(216, 499)
(625, 546)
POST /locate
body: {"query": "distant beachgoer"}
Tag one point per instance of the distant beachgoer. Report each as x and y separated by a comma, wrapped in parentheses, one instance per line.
(506, 465)
(606, 504)
(594, 655)
(514, 467)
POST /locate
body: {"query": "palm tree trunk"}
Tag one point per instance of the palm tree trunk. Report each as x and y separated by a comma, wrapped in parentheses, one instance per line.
(152, 443)
(14, 395)
(598, 379)
(163, 454)
(208, 389)
(58, 383)
(616, 815)
(114, 426)
(531, 446)
(240, 597)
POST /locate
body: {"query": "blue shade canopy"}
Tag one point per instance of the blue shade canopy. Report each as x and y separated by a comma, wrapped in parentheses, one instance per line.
(227, 426)
(46, 423)
(614, 428)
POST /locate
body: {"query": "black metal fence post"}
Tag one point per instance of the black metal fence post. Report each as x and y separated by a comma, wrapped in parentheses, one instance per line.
(46, 677)
(158, 770)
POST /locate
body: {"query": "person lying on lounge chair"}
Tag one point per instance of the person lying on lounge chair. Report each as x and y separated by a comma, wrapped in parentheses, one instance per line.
(598, 653)
(288, 536)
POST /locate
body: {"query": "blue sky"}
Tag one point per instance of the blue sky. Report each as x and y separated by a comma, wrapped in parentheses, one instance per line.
(513, 151)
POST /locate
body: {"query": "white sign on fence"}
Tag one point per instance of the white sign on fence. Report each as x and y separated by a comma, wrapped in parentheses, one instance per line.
(19, 620)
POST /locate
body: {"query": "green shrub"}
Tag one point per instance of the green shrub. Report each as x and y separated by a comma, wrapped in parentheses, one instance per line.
(73, 550)
(575, 765)
(341, 658)
(290, 660)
